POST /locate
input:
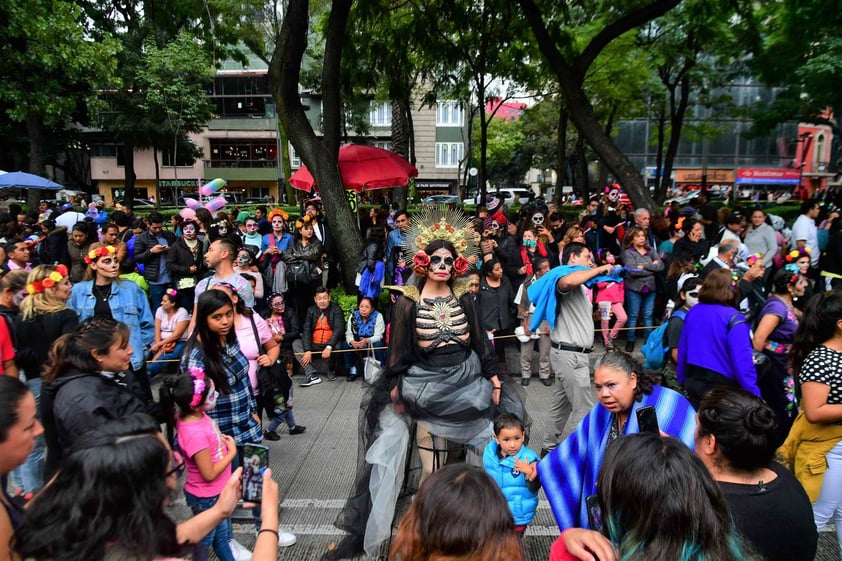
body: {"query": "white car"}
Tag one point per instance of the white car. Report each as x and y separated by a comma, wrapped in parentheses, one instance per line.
(509, 196)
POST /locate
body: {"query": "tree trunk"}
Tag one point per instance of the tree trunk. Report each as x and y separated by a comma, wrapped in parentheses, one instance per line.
(320, 155)
(128, 167)
(158, 175)
(400, 141)
(561, 153)
(676, 121)
(571, 77)
(36, 157)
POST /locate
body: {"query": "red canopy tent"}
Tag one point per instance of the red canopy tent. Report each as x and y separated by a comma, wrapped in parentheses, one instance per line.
(362, 168)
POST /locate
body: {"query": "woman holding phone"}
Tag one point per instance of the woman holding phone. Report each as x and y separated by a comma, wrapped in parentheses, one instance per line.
(569, 472)
(133, 522)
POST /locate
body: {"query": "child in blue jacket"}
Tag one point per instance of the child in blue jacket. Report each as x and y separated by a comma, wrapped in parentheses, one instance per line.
(513, 467)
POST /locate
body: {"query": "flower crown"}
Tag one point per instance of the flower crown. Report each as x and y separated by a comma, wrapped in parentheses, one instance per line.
(797, 254)
(199, 385)
(37, 287)
(278, 212)
(101, 251)
(306, 219)
(171, 292)
(752, 259)
(795, 274)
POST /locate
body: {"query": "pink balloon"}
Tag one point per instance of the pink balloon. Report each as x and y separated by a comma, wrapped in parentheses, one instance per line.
(187, 213)
(212, 187)
(215, 204)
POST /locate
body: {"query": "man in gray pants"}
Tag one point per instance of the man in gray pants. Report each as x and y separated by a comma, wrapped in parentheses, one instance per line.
(571, 341)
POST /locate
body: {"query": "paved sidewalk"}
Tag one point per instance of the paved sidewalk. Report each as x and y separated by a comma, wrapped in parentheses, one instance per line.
(315, 471)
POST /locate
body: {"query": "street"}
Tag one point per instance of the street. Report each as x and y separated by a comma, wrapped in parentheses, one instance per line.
(315, 471)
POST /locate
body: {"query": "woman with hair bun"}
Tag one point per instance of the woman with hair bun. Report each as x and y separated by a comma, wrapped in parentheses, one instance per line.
(736, 441)
(568, 473)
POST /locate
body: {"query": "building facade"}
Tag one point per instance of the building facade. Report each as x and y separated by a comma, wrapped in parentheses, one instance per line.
(241, 145)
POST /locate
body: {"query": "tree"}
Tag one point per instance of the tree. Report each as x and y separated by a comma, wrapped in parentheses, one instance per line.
(507, 160)
(214, 25)
(173, 83)
(801, 52)
(46, 83)
(570, 61)
(482, 49)
(319, 154)
(690, 49)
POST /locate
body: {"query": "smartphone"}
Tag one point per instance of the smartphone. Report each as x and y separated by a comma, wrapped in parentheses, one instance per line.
(647, 420)
(255, 462)
(594, 514)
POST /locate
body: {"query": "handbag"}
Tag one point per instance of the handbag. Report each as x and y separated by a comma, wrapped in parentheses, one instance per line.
(276, 376)
(372, 369)
(298, 273)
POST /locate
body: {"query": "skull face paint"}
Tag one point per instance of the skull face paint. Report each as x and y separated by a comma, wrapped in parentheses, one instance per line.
(189, 231)
(441, 265)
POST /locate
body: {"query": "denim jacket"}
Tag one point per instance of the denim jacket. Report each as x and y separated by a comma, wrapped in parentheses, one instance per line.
(128, 305)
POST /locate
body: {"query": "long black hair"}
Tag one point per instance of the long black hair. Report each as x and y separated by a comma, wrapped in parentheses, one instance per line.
(821, 315)
(108, 495)
(12, 392)
(207, 342)
(686, 515)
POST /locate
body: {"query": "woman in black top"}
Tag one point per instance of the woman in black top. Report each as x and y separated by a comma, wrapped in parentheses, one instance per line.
(736, 440)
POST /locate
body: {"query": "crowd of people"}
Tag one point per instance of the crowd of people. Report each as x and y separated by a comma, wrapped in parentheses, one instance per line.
(450, 309)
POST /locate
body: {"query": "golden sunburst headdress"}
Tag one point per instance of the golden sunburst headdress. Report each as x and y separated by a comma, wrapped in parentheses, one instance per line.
(440, 223)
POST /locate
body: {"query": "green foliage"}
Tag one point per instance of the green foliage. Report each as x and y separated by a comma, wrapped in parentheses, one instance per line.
(348, 302)
(507, 161)
(796, 46)
(49, 66)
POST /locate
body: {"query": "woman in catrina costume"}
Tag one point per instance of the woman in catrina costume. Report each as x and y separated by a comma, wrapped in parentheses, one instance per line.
(440, 388)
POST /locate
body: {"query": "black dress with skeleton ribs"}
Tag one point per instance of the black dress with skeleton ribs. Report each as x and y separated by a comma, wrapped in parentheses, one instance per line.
(440, 359)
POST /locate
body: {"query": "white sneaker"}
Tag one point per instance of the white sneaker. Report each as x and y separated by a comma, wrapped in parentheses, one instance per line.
(239, 551)
(285, 539)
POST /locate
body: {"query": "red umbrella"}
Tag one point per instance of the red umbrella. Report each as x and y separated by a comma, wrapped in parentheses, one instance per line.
(363, 168)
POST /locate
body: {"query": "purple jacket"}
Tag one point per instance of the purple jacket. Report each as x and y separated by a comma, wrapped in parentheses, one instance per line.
(706, 341)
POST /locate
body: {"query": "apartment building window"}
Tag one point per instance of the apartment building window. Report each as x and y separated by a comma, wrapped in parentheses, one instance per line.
(110, 151)
(449, 114)
(294, 160)
(380, 114)
(384, 144)
(449, 154)
(243, 153)
(185, 158)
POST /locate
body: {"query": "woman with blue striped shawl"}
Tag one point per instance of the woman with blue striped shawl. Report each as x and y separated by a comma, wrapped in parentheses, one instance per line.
(568, 473)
